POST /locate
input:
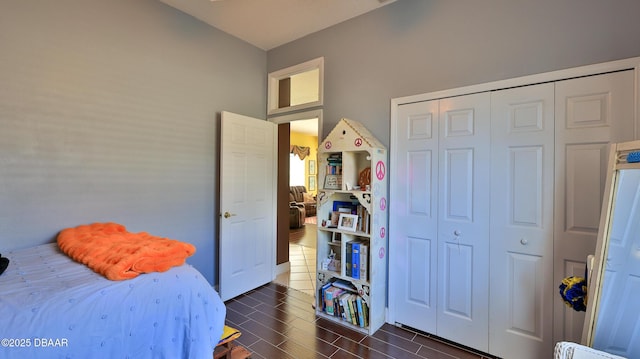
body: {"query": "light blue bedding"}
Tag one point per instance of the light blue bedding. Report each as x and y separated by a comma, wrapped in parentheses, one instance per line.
(53, 307)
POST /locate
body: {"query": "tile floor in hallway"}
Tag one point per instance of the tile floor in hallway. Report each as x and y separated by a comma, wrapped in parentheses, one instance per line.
(303, 269)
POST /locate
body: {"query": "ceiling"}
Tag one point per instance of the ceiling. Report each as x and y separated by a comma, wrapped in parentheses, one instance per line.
(307, 127)
(267, 24)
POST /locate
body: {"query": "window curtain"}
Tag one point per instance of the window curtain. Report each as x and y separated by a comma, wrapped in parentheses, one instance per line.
(300, 151)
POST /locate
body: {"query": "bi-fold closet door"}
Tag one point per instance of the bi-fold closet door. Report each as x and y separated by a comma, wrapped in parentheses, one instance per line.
(591, 113)
(442, 230)
(475, 172)
(481, 185)
(549, 146)
(522, 192)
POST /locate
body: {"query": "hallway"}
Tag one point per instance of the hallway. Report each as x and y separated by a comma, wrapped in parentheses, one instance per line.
(302, 259)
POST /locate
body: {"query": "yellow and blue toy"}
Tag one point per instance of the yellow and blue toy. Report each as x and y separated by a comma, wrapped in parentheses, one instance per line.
(573, 291)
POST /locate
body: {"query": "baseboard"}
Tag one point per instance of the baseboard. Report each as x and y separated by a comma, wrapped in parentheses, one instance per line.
(283, 268)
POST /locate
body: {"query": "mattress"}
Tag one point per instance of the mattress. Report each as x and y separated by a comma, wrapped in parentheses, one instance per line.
(53, 307)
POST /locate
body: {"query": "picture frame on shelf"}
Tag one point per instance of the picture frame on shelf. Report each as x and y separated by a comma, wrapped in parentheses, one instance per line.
(348, 222)
(333, 182)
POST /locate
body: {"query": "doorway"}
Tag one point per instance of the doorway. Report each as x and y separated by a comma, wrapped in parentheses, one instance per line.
(296, 262)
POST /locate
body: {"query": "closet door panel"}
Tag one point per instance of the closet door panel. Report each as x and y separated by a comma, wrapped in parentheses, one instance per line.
(419, 164)
(463, 223)
(585, 169)
(525, 176)
(522, 183)
(458, 261)
(591, 113)
(458, 185)
(525, 317)
(413, 227)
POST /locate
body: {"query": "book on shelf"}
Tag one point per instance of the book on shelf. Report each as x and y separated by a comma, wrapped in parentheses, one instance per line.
(321, 294)
(353, 309)
(330, 295)
(335, 158)
(344, 303)
(364, 261)
(359, 305)
(363, 219)
(349, 258)
(334, 170)
(338, 309)
(365, 313)
(344, 284)
(334, 164)
(355, 260)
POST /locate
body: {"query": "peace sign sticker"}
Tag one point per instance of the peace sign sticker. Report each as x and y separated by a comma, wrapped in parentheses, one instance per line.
(381, 253)
(381, 170)
(358, 142)
(383, 203)
(327, 145)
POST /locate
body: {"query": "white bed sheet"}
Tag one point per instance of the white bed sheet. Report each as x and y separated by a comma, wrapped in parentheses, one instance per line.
(53, 307)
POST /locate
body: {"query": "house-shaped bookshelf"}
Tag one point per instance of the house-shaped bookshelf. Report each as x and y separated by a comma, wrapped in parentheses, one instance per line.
(352, 227)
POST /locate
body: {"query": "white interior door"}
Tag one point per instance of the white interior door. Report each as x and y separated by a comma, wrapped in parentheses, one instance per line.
(439, 249)
(522, 186)
(414, 224)
(247, 204)
(463, 220)
(591, 113)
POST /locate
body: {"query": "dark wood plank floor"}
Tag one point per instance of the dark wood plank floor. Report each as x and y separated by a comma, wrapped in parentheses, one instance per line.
(279, 323)
(305, 236)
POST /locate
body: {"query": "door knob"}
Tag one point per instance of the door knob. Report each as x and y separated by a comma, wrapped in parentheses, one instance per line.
(227, 214)
(457, 233)
(524, 241)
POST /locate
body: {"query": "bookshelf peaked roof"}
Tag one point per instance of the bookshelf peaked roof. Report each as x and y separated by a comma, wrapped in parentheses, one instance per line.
(346, 132)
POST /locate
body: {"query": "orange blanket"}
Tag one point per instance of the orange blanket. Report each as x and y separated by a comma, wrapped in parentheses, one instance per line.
(110, 250)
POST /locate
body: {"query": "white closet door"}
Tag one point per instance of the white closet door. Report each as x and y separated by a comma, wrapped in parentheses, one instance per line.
(414, 199)
(463, 220)
(591, 112)
(522, 148)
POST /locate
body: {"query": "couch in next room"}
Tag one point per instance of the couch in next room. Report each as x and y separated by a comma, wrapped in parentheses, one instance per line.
(300, 196)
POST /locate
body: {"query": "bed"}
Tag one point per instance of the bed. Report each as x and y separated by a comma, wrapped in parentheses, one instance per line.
(54, 307)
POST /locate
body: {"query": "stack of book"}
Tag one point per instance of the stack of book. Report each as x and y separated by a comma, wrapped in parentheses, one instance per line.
(342, 302)
(334, 164)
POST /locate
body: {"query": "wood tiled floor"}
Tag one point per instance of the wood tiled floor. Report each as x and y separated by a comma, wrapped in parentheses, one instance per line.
(302, 273)
(278, 322)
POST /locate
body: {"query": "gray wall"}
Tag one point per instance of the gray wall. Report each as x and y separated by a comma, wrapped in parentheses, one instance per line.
(109, 111)
(417, 46)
